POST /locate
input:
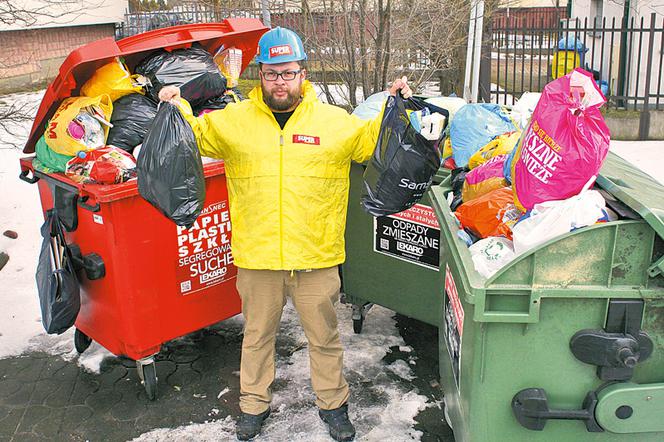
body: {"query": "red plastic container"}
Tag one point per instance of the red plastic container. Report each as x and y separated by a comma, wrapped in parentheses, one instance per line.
(158, 281)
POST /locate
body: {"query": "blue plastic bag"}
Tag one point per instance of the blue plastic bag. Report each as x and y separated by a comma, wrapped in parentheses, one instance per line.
(473, 126)
(507, 165)
(571, 43)
(371, 107)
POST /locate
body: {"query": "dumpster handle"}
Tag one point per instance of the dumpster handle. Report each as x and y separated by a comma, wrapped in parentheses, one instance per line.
(24, 177)
(82, 202)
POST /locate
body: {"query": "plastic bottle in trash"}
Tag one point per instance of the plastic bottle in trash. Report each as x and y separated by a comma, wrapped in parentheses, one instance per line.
(465, 237)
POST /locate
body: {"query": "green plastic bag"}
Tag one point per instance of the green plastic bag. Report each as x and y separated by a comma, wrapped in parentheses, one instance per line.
(48, 159)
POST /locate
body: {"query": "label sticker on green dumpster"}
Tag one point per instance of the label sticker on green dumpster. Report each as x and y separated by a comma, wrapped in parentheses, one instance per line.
(204, 250)
(453, 323)
(412, 235)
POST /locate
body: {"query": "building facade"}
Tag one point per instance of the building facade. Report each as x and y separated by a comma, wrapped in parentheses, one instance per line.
(39, 35)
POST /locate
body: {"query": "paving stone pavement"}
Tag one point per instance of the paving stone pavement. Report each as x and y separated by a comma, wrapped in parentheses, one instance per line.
(44, 397)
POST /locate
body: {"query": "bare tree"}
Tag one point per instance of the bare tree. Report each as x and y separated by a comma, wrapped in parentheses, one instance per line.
(27, 13)
(365, 43)
(22, 14)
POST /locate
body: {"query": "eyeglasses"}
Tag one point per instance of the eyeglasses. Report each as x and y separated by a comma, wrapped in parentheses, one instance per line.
(286, 75)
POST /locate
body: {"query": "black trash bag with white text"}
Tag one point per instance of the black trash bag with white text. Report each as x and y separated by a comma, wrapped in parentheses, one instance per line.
(404, 162)
(57, 284)
(170, 171)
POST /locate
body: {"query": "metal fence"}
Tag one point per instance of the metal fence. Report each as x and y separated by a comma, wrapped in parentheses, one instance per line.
(320, 32)
(138, 22)
(625, 56)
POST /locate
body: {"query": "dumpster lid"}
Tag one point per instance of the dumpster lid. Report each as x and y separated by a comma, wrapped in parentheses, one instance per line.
(78, 67)
(638, 190)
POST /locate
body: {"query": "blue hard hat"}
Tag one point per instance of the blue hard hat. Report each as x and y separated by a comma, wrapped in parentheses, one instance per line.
(280, 45)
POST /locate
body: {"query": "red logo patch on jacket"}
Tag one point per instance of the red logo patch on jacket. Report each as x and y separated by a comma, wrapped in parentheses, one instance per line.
(306, 139)
(276, 51)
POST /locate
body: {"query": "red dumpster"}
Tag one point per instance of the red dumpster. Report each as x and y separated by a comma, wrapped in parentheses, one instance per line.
(144, 280)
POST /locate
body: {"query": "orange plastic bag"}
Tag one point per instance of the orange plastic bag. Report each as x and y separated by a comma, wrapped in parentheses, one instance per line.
(492, 214)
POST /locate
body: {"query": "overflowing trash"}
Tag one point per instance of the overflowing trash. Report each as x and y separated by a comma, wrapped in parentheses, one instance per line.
(193, 70)
(517, 189)
(407, 156)
(96, 138)
(107, 165)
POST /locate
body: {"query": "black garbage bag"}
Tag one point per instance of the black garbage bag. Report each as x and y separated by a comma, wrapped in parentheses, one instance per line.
(458, 176)
(191, 69)
(170, 171)
(217, 103)
(57, 284)
(404, 162)
(131, 118)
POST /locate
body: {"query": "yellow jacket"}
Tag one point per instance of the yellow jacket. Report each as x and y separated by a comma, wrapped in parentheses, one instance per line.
(288, 189)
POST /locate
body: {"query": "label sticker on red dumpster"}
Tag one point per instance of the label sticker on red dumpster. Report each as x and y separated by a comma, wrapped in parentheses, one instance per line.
(412, 235)
(453, 323)
(204, 250)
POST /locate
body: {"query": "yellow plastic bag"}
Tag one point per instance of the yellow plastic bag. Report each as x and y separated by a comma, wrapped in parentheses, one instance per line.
(563, 63)
(472, 191)
(113, 79)
(501, 145)
(57, 133)
(447, 148)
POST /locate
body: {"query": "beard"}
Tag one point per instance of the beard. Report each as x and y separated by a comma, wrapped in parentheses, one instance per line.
(282, 104)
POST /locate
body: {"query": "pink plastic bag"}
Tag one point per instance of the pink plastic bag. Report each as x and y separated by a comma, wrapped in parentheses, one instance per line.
(565, 143)
(484, 178)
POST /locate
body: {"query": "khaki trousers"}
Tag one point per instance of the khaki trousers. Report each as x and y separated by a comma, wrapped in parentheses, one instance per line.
(314, 294)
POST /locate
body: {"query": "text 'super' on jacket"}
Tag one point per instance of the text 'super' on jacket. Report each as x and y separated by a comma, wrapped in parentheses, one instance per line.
(288, 189)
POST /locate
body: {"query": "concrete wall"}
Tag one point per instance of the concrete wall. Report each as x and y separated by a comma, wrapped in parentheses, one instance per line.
(624, 125)
(30, 59)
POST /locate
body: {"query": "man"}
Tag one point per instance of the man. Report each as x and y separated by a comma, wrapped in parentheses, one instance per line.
(287, 158)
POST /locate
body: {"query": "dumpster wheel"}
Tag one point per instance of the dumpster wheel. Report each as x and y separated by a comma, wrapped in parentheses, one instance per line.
(147, 371)
(81, 341)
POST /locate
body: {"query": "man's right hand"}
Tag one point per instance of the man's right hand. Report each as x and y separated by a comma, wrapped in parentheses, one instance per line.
(170, 94)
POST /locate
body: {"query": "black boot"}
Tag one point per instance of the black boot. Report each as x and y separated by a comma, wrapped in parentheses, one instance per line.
(249, 425)
(338, 423)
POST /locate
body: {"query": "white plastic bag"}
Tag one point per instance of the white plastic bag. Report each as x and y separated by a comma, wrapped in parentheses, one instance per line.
(554, 218)
(491, 254)
(524, 108)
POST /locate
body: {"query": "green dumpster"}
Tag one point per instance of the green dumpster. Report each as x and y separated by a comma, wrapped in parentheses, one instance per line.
(567, 341)
(390, 257)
